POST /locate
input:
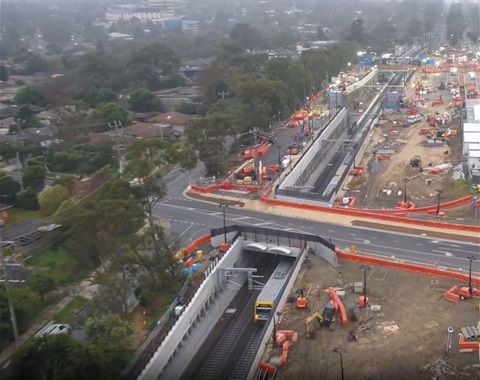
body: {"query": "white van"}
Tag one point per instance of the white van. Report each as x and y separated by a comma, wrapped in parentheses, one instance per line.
(412, 119)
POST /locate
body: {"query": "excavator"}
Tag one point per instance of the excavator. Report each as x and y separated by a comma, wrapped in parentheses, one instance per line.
(325, 319)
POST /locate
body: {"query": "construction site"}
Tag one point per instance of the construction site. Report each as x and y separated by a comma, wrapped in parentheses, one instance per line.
(415, 150)
(325, 331)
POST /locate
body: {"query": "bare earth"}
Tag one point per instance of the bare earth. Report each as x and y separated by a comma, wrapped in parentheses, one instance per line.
(371, 189)
(409, 301)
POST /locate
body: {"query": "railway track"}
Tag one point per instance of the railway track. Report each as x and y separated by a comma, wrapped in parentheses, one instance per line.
(233, 353)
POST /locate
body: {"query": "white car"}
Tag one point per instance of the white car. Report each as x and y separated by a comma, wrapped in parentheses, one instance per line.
(287, 160)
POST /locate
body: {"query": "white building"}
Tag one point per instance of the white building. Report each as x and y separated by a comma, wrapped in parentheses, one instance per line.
(471, 138)
(167, 7)
(128, 12)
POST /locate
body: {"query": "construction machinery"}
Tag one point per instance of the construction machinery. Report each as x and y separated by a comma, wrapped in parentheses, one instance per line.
(302, 302)
(416, 162)
(325, 319)
(455, 294)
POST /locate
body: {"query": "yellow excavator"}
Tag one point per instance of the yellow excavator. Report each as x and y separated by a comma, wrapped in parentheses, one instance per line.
(325, 319)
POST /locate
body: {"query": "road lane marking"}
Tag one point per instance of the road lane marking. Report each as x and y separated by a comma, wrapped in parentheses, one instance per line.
(176, 179)
(183, 233)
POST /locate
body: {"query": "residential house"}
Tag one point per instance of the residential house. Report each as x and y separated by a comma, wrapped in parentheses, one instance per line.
(145, 130)
(176, 120)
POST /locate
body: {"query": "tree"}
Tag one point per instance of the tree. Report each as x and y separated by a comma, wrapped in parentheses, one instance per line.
(26, 115)
(357, 31)
(455, 23)
(145, 158)
(187, 108)
(246, 36)
(24, 302)
(30, 95)
(51, 198)
(27, 199)
(4, 74)
(110, 112)
(95, 96)
(8, 188)
(41, 284)
(56, 357)
(158, 56)
(321, 36)
(143, 100)
(111, 336)
(34, 176)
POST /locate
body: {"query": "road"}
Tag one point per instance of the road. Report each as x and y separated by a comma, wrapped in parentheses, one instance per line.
(190, 219)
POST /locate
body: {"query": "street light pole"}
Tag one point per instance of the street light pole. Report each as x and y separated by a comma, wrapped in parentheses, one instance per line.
(470, 289)
(13, 318)
(405, 180)
(279, 154)
(224, 206)
(341, 351)
(438, 202)
(365, 268)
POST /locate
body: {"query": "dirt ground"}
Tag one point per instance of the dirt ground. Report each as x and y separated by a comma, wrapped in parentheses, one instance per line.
(412, 307)
(383, 187)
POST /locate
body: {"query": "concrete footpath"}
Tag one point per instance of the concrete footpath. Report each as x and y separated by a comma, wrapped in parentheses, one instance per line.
(346, 220)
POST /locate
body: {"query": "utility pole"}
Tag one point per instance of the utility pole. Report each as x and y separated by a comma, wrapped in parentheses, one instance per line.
(255, 154)
(19, 139)
(223, 94)
(224, 206)
(439, 192)
(13, 318)
(470, 288)
(341, 352)
(117, 135)
(365, 268)
(405, 181)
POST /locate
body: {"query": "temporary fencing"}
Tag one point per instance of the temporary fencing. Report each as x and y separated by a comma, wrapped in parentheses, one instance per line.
(411, 267)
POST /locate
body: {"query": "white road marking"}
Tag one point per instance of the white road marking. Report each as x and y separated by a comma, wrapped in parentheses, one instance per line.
(190, 226)
(176, 179)
(448, 254)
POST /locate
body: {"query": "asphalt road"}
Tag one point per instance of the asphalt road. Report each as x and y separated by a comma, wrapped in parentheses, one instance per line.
(190, 219)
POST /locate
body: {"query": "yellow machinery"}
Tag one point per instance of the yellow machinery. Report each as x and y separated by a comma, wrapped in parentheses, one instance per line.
(325, 319)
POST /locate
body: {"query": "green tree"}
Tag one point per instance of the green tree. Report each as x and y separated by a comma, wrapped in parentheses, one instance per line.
(34, 176)
(455, 23)
(4, 74)
(246, 36)
(110, 112)
(143, 100)
(187, 108)
(111, 336)
(67, 182)
(24, 301)
(357, 31)
(30, 95)
(95, 96)
(158, 56)
(56, 357)
(51, 198)
(28, 199)
(145, 158)
(8, 188)
(41, 284)
(321, 36)
(7, 152)
(26, 115)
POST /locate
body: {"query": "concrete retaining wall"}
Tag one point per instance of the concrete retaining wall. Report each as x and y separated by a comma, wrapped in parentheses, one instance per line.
(316, 146)
(191, 316)
(269, 330)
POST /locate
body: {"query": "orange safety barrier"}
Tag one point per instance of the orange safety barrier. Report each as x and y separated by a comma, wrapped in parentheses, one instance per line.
(405, 266)
(373, 215)
(466, 345)
(451, 294)
(339, 306)
(197, 243)
(283, 358)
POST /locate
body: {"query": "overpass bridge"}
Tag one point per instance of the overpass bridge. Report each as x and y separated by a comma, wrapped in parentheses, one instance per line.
(235, 352)
(396, 68)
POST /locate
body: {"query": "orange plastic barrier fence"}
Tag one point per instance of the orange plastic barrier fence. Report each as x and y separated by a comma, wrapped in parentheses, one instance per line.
(197, 243)
(405, 266)
(372, 215)
(338, 303)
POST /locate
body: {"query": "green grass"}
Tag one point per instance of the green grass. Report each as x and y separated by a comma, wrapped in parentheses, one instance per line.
(60, 266)
(19, 214)
(66, 314)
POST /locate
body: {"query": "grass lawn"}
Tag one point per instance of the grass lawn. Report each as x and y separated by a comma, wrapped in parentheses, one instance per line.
(60, 266)
(65, 315)
(19, 214)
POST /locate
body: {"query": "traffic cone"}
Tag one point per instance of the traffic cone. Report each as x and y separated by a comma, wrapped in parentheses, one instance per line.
(434, 281)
